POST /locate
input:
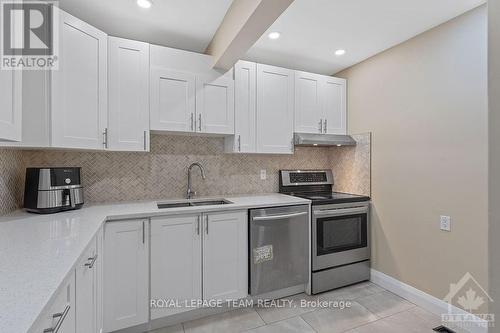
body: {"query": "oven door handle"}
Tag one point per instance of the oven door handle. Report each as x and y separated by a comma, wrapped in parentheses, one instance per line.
(278, 217)
(340, 212)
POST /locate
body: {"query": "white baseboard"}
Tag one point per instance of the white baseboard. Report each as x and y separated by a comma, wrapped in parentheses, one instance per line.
(422, 299)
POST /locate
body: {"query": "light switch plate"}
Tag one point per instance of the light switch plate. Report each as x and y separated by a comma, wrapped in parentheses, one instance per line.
(445, 223)
(263, 174)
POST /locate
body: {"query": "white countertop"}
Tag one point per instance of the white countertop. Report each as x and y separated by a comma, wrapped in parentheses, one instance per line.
(38, 252)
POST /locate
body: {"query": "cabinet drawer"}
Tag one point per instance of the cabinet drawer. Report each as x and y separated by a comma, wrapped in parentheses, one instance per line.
(59, 316)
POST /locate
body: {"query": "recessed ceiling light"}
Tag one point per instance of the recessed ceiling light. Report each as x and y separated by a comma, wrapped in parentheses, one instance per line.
(144, 3)
(340, 52)
(274, 35)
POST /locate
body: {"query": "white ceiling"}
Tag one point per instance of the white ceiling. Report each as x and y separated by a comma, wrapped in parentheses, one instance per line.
(311, 30)
(184, 24)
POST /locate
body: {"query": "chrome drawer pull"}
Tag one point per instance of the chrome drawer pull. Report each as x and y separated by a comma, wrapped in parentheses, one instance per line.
(92, 262)
(61, 316)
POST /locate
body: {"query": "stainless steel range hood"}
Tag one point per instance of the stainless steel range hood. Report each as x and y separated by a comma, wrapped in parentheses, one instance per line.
(323, 140)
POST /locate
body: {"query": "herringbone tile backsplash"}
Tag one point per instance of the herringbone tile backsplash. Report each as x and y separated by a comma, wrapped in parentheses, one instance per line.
(162, 173)
(11, 180)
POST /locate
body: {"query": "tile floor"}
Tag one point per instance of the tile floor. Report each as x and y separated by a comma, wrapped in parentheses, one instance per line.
(373, 310)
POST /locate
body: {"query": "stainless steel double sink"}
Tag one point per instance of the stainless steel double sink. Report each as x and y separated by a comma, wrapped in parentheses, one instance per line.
(192, 203)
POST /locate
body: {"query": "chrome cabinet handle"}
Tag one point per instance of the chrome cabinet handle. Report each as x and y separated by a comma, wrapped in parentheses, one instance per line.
(320, 128)
(239, 143)
(91, 262)
(192, 122)
(199, 122)
(145, 140)
(143, 232)
(325, 127)
(198, 225)
(278, 217)
(340, 212)
(206, 224)
(105, 138)
(61, 316)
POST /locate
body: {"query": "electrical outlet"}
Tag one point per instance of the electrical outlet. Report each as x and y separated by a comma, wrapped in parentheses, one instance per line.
(445, 223)
(263, 174)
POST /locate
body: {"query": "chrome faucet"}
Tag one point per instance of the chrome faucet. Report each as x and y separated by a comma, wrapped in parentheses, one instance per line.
(190, 193)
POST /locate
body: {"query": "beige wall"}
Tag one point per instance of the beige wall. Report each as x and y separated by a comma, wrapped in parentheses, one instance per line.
(494, 155)
(425, 102)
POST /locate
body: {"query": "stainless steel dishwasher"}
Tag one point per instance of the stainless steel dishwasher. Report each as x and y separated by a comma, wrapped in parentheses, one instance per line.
(279, 240)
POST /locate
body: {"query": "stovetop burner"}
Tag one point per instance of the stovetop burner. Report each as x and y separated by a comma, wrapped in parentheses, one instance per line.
(315, 185)
(331, 198)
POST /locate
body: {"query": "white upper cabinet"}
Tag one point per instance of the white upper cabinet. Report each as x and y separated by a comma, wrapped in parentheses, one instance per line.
(320, 104)
(187, 95)
(245, 85)
(334, 106)
(10, 105)
(275, 99)
(225, 255)
(128, 88)
(308, 108)
(172, 100)
(175, 261)
(79, 87)
(215, 104)
(126, 274)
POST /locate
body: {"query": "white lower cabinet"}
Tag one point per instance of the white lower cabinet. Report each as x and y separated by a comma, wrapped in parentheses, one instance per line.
(198, 257)
(175, 262)
(126, 274)
(60, 314)
(86, 291)
(225, 253)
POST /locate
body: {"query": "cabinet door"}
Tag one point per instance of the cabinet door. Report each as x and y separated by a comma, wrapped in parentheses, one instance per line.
(244, 106)
(225, 253)
(128, 64)
(10, 105)
(334, 105)
(172, 100)
(126, 270)
(308, 108)
(215, 104)
(175, 261)
(79, 86)
(99, 280)
(275, 95)
(61, 312)
(86, 291)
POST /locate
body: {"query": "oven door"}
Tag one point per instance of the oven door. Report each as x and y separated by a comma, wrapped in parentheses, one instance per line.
(340, 235)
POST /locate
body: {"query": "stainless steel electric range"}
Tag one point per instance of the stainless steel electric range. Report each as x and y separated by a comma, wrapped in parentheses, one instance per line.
(340, 229)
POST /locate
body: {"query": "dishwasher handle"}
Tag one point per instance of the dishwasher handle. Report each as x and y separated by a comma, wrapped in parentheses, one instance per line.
(278, 217)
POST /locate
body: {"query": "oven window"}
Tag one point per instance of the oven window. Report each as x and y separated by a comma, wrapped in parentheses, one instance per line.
(341, 233)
